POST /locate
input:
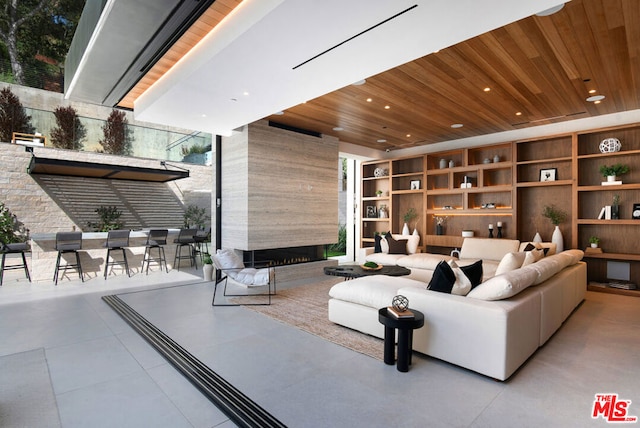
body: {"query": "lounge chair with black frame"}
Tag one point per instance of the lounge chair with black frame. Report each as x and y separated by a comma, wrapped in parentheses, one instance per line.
(14, 248)
(232, 271)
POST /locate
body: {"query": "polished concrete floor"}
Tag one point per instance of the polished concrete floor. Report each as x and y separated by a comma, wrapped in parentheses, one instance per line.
(104, 375)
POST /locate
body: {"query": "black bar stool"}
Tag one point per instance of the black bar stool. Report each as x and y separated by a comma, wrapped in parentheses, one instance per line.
(156, 239)
(185, 239)
(68, 242)
(117, 240)
(15, 248)
(202, 239)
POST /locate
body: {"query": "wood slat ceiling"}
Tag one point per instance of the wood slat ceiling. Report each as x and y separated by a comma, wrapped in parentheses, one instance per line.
(540, 67)
(203, 26)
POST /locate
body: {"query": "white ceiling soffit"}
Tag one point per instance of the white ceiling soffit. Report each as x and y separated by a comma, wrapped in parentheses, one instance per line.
(255, 64)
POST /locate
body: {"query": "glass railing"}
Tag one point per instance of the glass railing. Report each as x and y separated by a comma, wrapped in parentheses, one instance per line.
(145, 142)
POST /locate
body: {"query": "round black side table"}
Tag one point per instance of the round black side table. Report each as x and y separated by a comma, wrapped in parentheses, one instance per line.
(405, 327)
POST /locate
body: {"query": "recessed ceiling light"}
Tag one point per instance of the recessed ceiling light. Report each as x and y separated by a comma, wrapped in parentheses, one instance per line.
(595, 98)
(203, 115)
(457, 125)
(518, 113)
(408, 135)
(245, 93)
(597, 102)
(387, 107)
(359, 82)
(369, 100)
(487, 89)
(338, 128)
(593, 91)
(551, 10)
(382, 140)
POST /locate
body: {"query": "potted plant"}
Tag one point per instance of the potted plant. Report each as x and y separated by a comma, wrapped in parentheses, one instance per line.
(556, 216)
(378, 193)
(613, 171)
(207, 267)
(594, 241)
(408, 218)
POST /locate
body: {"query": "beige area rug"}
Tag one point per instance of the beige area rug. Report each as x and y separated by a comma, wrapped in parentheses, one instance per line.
(306, 307)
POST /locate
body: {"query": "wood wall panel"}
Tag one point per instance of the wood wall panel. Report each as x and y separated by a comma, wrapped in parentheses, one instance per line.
(285, 194)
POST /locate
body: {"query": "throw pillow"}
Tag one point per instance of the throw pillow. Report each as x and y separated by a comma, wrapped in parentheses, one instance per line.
(443, 278)
(384, 243)
(462, 285)
(474, 273)
(377, 246)
(532, 257)
(396, 246)
(510, 261)
(228, 259)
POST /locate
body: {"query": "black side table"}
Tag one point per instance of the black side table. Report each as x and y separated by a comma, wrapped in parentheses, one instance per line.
(405, 327)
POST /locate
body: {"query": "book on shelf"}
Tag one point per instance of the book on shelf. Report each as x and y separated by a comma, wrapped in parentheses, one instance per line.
(607, 212)
(601, 215)
(399, 314)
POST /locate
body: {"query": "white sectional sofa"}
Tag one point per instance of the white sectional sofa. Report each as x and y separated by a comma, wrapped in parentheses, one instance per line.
(495, 327)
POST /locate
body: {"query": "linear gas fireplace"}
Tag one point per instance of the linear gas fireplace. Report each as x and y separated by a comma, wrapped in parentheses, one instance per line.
(286, 256)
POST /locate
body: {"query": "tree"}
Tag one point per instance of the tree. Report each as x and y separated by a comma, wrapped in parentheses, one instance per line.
(14, 15)
(70, 132)
(13, 117)
(117, 140)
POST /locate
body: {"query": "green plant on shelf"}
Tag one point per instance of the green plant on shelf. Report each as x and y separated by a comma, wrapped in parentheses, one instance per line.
(594, 240)
(614, 170)
(556, 215)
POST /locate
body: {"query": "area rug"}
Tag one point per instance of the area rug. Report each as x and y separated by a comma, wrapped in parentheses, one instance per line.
(306, 307)
(26, 392)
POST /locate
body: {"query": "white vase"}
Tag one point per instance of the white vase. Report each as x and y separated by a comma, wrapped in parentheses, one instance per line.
(207, 271)
(557, 239)
(537, 238)
(415, 231)
(611, 178)
(405, 229)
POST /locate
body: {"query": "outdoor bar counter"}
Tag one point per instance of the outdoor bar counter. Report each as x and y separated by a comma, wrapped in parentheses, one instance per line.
(92, 255)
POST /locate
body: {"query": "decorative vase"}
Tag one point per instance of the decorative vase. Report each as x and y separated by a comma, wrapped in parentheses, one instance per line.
(557, 239)
(405, 229)
(207, 271)
(537, 238)
(415, 232)
(611, 178)
(439, 229)
(594, 245)
(443, 163)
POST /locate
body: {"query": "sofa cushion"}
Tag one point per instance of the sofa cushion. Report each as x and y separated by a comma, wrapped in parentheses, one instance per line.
(506, 285)
(228, 259)
(443, 278)
(510, 261)
(412, 242)
(385, 259)
(424, 261)
(397, 246)
(375, 291)
(487, 248)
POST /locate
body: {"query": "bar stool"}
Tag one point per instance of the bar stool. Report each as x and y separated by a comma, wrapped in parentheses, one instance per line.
(202, 238)
(156, 239)
(117, 240)
(68, 242)
(15, 248)
(185, 239)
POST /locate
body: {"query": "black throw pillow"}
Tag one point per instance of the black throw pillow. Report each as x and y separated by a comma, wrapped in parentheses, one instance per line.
(443, 278)
(474, 273)
(531, 247)
(377, 248)
(397, 246)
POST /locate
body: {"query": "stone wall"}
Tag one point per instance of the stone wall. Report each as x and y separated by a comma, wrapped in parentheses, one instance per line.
(42, 212)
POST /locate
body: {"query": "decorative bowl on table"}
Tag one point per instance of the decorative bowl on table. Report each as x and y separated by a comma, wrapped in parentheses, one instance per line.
(371, 266)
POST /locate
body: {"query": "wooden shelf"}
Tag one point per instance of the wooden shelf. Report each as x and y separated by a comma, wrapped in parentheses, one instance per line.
(614, 154)
(545, 183)
(612, 290)
(443, 241)
(609, 222)
(600, 188)
(613, 256)
(549, 160)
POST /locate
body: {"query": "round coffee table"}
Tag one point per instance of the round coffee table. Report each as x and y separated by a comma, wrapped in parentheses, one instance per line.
(405, 327)
(355, 271)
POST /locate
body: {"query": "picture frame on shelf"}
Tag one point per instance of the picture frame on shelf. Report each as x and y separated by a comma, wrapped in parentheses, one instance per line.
(548, 174)
(371, 211)
(415, 185)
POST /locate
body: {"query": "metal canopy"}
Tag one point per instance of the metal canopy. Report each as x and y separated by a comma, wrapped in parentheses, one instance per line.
(100, 170)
